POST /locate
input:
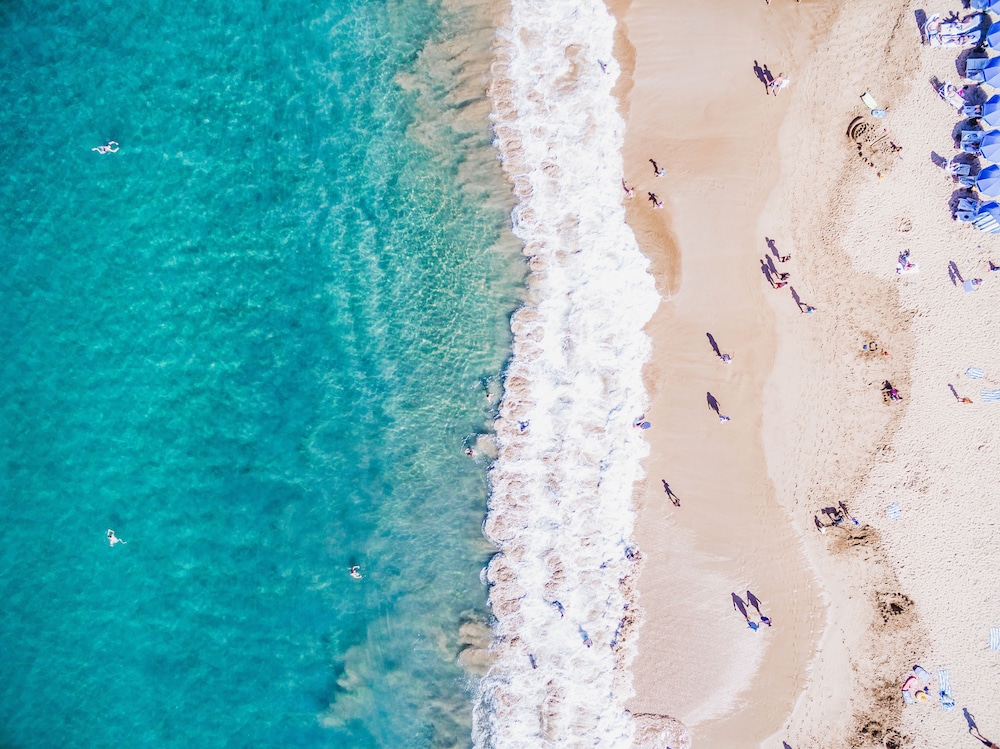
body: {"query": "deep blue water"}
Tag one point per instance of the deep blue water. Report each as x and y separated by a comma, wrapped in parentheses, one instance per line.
(249, 342)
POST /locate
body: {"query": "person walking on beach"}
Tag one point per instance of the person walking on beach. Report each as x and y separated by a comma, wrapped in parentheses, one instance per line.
(629, 191)
(779, 83)
(657, 203)
(740, 606)
(670, 495)
(659, 170)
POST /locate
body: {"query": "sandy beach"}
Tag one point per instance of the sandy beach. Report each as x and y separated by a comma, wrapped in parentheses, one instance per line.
(856, 607)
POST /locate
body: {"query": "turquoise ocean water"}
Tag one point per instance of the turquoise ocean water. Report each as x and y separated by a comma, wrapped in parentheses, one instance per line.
(250, 342)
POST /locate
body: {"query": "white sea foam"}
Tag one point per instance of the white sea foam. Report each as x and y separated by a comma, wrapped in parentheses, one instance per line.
(569, 453)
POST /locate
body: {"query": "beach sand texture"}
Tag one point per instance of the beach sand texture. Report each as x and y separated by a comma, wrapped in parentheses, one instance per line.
(854, 608)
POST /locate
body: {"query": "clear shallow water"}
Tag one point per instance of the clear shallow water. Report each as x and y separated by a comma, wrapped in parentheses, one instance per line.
(249, 342)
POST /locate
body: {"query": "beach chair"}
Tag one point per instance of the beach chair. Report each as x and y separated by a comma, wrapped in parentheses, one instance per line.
(974, 68)
(972, 110)
(958, 169)
(969, 204)
(971, 140)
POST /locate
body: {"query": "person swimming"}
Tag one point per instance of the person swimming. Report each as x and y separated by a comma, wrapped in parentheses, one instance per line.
(113, 539)
(356, 572)
(110, 147)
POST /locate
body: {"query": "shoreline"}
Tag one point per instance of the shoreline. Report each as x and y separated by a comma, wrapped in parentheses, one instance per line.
(569, 446)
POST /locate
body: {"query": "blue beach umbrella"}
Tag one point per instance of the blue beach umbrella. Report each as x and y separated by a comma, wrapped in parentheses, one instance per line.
(991, 71)
(993, 36)
(993, 5)
(988, 181)
(991, 111)
(990, 147)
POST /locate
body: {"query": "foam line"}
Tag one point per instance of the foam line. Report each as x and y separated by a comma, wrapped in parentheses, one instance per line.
(569, 454)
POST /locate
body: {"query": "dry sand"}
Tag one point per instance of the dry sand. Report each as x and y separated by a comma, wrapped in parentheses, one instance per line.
(855, 608)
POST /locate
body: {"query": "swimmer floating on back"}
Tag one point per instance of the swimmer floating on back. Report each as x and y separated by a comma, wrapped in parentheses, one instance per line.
(110, 147)
(113, 539)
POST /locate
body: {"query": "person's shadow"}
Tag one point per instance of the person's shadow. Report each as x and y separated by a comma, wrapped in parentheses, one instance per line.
(954, 274)
(713, 402)
(970, 719)
(763, 75)
(670, 494)
(766, 270)
(772, 246)
(740, 605)
(715, 346)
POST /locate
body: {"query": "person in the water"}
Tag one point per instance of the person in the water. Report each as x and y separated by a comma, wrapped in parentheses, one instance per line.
(113, 539)
(356, 572)
(110, 147)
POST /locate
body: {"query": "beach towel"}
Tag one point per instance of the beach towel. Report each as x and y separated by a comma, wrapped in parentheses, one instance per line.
(944, 690)
(994, 638)
(974, 373)
(990, 396)
(893, 511)
(969, 286)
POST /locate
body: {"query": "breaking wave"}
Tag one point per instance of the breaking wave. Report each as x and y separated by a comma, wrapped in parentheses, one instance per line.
(569, 452)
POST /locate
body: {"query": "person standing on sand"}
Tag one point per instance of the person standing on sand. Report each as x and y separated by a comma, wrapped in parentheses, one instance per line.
(657, 203)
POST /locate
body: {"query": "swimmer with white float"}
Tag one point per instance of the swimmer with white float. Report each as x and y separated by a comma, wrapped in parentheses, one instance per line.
(113, 539)
(110, 147)
(356, 572)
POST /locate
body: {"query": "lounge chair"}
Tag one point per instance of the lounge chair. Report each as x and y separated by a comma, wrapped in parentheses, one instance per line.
(971, 140)
(974, 68)
(966, 217)
(972, 110)
(965, 33)
(969, 204)
(958, 169)
(951, 95)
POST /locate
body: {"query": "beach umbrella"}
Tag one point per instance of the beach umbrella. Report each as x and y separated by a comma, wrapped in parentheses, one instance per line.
(991, 111)
(990, 147)
(988, 181)
(991, 71)
(993, 5)
(993, 36)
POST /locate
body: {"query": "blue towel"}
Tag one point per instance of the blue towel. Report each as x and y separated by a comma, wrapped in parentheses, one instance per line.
(944, 690)
(994, 638)
(893, 511)
(990, 396)
(974, 373)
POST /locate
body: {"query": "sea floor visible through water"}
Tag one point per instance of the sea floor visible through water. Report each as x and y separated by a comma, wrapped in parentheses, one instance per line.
(254, 342)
